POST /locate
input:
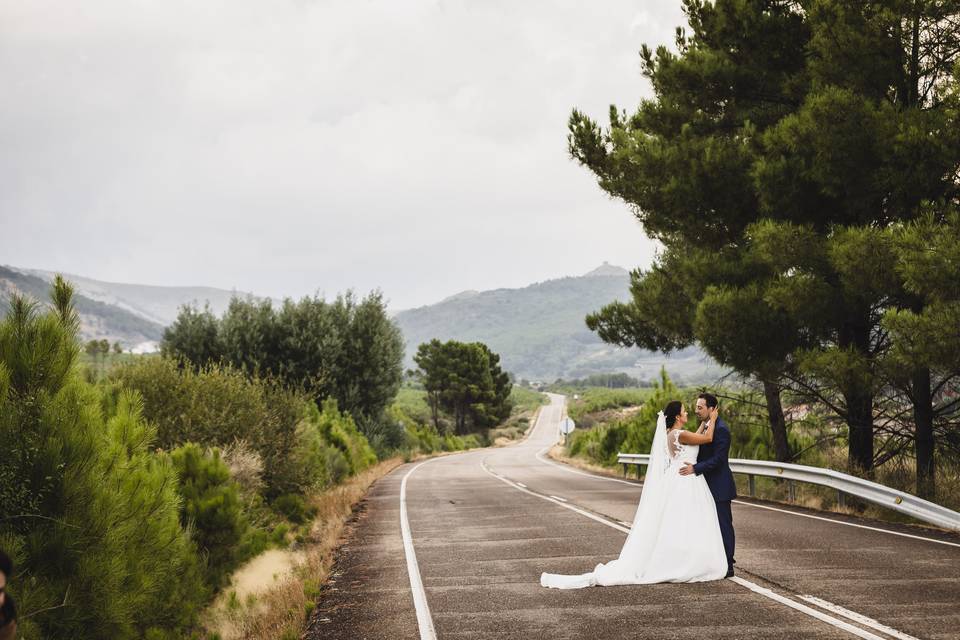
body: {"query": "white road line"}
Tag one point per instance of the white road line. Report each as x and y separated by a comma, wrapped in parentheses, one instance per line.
(848, 524)
(857, 617)
(819, 615)
(566, 468)
(823, 617)
(424, 620)
(556, 497)
(520, 484)
(483, 465)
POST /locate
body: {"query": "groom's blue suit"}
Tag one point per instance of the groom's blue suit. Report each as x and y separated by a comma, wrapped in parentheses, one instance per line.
(712, 464)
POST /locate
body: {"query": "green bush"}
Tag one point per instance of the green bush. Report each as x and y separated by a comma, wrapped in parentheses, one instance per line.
(411, 403)
(602, 443)
(423, 438)
(326, 444)
(214, 406)
(527, 399)
(293, 507)
(340, 431)
(211, 507)
(278, 536)
(218, 406)
(94, 514)
(597, 399)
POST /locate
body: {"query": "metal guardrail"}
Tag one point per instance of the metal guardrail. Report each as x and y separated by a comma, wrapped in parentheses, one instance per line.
(844, 484)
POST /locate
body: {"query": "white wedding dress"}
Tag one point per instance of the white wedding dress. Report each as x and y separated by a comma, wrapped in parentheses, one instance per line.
(675, 535)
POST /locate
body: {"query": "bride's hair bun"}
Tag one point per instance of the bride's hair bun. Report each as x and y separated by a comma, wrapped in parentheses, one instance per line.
(671, 411)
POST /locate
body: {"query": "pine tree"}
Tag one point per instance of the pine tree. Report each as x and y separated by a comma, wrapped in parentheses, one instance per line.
(89, 512)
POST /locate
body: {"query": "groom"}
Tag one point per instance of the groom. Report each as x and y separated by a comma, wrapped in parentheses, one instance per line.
(713, 466)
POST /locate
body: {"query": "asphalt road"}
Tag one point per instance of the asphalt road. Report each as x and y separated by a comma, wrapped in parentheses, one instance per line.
(482, 525)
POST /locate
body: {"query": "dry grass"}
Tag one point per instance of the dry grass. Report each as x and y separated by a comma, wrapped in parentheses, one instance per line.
(282, 608)
(280, 612)
(517, 428)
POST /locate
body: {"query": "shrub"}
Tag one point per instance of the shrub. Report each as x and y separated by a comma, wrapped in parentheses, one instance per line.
(246, 466)
(340, 431)
(217, 406)
(593, 400)
(634, 434)
(278, 536)
(211, 506)
(214, 406)
(97, 525)
(293, 508)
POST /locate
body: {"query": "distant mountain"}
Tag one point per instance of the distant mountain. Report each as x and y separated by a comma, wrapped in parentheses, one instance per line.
(154, 303)
(132, 314)
(98, 319)
(540, 330)
(607, 269)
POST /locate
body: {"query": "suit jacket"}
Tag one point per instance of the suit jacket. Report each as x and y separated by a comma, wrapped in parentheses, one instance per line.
(713, 466)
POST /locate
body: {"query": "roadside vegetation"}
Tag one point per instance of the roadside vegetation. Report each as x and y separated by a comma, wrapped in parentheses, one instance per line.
(607, 428)
(809, 245)
(144, 495)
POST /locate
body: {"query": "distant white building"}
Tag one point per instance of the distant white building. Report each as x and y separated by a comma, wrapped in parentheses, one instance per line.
(150, 346)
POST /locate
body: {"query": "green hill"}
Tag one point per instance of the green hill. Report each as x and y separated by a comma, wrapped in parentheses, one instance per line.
(539, 330)
(97, 319)
(540, 333)
(160, 304)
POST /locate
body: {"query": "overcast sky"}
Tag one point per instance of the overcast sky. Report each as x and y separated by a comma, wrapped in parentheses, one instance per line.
(292, 147)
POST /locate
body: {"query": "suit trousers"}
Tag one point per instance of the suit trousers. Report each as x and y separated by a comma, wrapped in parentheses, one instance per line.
(725, 518)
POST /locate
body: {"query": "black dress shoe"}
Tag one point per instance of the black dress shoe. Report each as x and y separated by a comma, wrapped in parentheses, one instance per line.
(729, 573)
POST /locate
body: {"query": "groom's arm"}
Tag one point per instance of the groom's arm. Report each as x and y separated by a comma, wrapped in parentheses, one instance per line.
(721, 449)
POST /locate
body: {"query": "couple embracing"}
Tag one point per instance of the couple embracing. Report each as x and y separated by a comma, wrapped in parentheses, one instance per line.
(683, 528)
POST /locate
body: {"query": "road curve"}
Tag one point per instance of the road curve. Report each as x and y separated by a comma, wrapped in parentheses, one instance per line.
(481, 526)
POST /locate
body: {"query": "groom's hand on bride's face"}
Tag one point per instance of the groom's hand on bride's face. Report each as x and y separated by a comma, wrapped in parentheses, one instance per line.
(686, 469)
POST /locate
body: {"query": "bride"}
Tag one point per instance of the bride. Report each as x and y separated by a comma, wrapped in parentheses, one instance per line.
(675, 535)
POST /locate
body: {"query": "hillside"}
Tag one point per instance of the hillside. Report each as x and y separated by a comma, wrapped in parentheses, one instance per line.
(540, 332)
(97, 319)
(154, 303)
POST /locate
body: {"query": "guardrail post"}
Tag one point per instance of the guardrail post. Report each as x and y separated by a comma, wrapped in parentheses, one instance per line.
(793, 490)
(841, 499)
(753, 486)
(624, 469)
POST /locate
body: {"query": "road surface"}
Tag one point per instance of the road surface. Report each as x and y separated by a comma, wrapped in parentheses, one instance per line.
(453, 547)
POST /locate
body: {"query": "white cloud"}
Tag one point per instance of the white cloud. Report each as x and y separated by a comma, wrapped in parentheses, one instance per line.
(287, 147)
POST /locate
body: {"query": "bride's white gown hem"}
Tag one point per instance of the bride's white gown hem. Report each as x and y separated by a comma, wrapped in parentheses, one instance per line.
(675, 535)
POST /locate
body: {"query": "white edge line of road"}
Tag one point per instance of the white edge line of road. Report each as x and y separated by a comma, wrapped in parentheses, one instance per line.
(858, 617)
(579, 473)
(484, 466)
(819, 615)
(564, 467)
(823, 617)
(849, 524)
(424, 619)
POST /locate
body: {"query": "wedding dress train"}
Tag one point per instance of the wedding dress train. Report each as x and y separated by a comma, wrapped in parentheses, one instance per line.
(675, 535)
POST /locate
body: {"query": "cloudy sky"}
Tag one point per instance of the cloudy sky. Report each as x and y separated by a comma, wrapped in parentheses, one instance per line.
(292, 147)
